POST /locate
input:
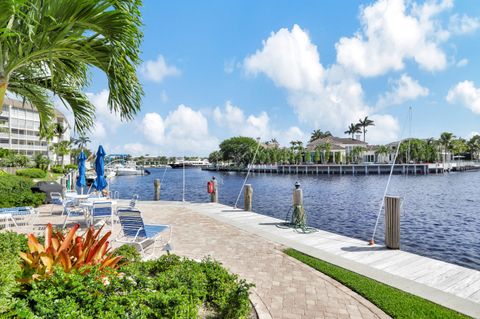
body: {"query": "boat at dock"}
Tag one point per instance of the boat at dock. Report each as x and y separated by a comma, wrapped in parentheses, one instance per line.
(128, 169)
(190, 164)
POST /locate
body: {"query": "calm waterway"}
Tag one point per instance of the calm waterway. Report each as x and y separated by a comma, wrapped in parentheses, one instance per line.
(440, 215)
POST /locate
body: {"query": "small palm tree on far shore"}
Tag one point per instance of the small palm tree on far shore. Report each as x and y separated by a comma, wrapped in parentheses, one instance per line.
(352, 129)
(366, 122)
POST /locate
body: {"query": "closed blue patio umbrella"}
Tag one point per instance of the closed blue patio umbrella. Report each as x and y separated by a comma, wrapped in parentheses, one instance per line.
(81, 181)
(100, 183)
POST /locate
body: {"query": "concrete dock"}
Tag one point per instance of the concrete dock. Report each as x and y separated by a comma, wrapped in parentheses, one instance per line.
(447, 284)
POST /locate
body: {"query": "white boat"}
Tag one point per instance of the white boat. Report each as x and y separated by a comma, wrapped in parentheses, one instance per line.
(127, 169)
(187, 164)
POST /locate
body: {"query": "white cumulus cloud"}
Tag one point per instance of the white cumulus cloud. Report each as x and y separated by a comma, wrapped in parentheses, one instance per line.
(326, 98)
(404, 89)
(157, 70)
(289, 59)
(153, 128)
(233, 118)
(385, 130)
(182, 131)
(391, 34)
(463, 24)
(466, 94)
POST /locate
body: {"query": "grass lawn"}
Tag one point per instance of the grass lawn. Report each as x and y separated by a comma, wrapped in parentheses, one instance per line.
(392, 301)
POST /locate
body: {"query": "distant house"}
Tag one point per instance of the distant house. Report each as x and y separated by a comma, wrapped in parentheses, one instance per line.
(341, 148)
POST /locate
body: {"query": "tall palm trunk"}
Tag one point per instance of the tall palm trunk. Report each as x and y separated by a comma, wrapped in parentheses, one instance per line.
(364, 131)
(3, 89)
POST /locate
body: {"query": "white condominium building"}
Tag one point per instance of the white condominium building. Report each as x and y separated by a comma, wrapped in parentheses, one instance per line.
(20, 130)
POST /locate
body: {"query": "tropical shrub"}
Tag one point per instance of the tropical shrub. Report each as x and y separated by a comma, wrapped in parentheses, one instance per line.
(41, 161)
(70, 166)
(31, 172)
(16, 191)
(169, 287)
(58, 169)
(69, 252)
(128, 252)
(10, 245)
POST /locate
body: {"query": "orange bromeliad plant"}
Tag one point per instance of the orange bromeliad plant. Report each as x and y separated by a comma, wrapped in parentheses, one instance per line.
(69, 252)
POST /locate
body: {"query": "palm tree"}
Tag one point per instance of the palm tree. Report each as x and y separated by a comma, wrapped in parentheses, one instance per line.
(382, 150)
(474, 146)
(366, 122)
(47, 133)
(446, 141)
(352, 129)
(47, 47)
(316, 134)
(82, 141)
(61, 149)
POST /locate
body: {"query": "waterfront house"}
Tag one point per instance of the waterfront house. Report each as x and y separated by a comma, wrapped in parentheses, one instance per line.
(341, 149)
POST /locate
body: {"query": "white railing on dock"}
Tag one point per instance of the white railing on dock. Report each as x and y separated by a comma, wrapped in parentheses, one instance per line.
(267, 167)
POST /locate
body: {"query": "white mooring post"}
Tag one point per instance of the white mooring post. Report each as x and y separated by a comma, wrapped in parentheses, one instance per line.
(392, 222)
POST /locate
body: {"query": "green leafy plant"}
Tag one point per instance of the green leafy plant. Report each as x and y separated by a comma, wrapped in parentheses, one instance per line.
(10, 245)
(31, 172)
(69, 252)
(16, 191)
(128, 252)
(58, 169)
(71, 166)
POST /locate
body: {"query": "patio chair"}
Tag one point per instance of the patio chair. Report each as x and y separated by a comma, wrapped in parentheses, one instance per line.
(9, 214)
(101, 210)
(56, 200)
(132, 204)
(70, 209)
(133, 201)
(135, 232)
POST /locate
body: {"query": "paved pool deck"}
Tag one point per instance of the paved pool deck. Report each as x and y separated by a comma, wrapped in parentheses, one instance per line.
(284, 287)
(251, 245)
(453, 286)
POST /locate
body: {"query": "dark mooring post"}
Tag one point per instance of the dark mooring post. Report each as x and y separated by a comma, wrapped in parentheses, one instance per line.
(248, 197)
(214, 193)
(156, 185)
(392, 222)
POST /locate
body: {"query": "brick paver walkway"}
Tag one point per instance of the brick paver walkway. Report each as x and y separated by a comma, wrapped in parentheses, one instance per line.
(286, 287)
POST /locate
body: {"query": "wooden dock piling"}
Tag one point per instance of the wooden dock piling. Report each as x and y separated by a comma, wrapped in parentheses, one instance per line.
(156, 186)
(248, 197)
(214, 194)
(392, 222)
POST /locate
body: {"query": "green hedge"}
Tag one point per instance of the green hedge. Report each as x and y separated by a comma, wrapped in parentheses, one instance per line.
(57, 169)
(31, 172)
(10, 244)
(16, 191)
(71, 166)
(169, 287)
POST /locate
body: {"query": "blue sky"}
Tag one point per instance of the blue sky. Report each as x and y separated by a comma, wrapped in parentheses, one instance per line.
(279, 69)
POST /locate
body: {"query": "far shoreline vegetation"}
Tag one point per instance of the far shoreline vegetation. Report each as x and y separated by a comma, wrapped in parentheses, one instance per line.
(239, 151)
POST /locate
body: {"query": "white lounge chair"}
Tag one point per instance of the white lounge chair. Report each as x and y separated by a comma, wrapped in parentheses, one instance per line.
(101, 210)
(134, 231)
(9, 215)
(71, 210)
